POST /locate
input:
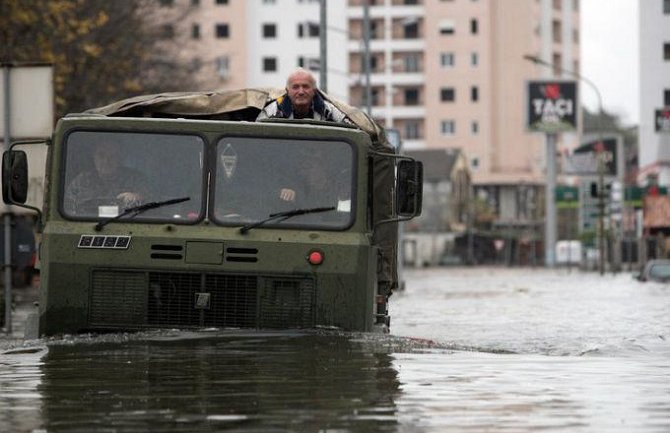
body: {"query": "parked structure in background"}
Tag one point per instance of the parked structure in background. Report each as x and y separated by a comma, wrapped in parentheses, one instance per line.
(654, 91)
(430, 239)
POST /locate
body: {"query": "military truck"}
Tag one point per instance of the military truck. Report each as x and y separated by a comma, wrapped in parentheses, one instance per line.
(202, 217)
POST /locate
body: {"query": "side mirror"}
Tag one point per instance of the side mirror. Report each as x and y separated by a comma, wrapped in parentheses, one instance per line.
(409, 191)
(14, 177)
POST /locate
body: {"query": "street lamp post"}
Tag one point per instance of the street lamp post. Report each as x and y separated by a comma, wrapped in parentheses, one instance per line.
(601, 165)
(323, 46)
(366, 56)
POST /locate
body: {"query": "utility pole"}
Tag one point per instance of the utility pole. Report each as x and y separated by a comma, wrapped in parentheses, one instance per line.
(550, 203)
(7, 217)
(323, 46)
(366, 56)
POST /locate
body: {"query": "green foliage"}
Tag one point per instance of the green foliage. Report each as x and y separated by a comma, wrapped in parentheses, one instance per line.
(102, 50)
(588, 238)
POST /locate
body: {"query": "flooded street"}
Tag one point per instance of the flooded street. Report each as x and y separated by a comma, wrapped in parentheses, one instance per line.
(471, 349)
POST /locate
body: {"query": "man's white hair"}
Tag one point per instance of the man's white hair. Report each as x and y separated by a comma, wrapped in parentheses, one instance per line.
(300, 71)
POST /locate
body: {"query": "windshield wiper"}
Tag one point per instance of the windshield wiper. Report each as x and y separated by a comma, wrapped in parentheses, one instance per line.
(136, 210)
(285, 215)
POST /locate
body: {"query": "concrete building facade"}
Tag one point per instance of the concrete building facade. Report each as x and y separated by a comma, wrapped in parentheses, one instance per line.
(654, 90)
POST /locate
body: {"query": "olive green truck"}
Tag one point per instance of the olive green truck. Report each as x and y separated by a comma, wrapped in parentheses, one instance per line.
(180, 211)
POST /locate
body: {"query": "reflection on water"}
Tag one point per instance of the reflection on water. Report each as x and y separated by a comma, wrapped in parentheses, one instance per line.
(20, 375)
(305, 382)
(515, 351)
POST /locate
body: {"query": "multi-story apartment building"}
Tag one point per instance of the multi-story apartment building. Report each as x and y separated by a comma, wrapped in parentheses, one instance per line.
(451, 73)
(257, 43)
(445, 73)
(654, 89)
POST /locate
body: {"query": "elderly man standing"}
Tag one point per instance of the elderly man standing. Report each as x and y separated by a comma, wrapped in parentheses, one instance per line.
(302, 101)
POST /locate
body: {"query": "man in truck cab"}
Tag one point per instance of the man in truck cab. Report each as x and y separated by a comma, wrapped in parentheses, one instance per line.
(302, 101)
(106, 183)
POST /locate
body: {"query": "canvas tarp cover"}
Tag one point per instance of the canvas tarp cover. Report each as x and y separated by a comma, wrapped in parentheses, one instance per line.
(243, 104)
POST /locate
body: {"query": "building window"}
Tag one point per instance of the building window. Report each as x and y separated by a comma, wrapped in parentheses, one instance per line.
(311, 63)
(195, 31)
(411, 96)
(269, 2)
(447, 60)
(374, 63)
(374, 97)
(575, 5)
(474, 59)
(373, 30)
(412, 63)
(447, 94)
(556, 30)
(447, 27)
(557, 62)
(269, 64)
(223, 67)
(411, 30)
(166, 3)
(221, 2)
(474, 162)
(474, 26)
(195, 2)
(308, 30)
(557, 5)
(666, 97)
(474, 127)
(666, 7)
(269, 31)
(666, 51)
(474, 93)
(448, 127)
(167, 31)
(411, 130)
(222, 31)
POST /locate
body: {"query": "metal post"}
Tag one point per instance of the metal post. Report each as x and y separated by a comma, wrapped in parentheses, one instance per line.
(550, 204)
(323, 47)
(601, 213)
(7, 217)
(366, 56)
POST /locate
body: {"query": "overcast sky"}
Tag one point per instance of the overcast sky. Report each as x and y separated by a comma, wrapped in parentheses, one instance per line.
(609, 56)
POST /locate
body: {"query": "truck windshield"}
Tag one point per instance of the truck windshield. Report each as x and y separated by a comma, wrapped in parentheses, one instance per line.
(108, 172)
(257, 177)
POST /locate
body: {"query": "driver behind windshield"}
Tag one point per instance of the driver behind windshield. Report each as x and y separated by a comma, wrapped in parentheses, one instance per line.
(106, 182)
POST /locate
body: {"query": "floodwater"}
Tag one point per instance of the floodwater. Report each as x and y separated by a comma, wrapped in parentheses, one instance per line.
(471, 350)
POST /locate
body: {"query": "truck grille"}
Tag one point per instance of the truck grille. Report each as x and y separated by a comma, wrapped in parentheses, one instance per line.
(136, 299)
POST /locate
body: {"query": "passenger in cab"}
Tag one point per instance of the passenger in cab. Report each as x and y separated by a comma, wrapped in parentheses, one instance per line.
(244, 192)
(302, 101)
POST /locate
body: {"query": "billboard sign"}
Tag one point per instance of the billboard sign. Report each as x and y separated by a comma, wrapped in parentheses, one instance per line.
(656, 212)
(552, 106)
(584, 159)
(662, 120)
